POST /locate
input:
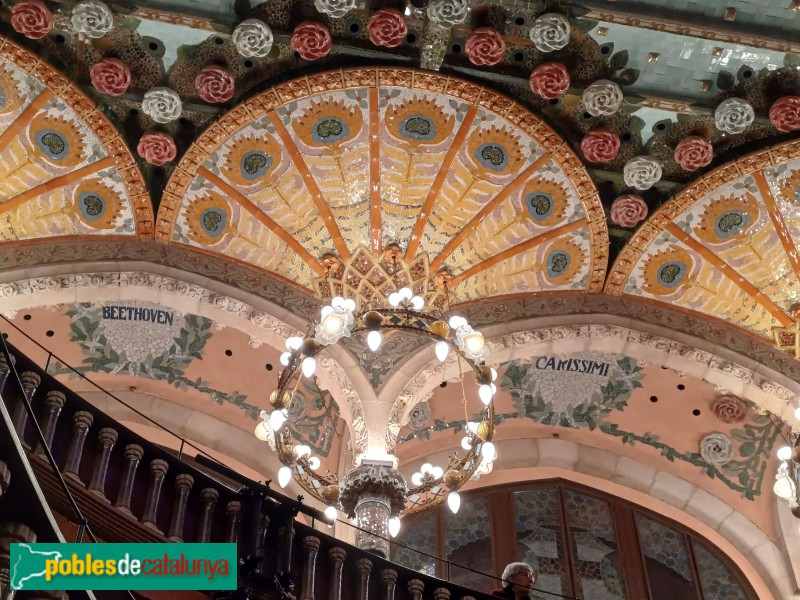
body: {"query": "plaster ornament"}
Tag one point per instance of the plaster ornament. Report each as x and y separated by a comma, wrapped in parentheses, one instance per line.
(297, 407)
(420, 416)
(641, 172)
(729, 408)
(157, 148)
(716, 449)
(693, 152)
(311, 40)
(110, 76)
(628, 210)
(32, 19)
(447, 12)
(214, 84)
(162, 104)
(602, 98)
(734, 115)
(252, 38)
(550, 80)
(550, 32)
(387, 28)
(485, 47)
(600, 146)
(92, 18)
(335, 8)
(784, 113)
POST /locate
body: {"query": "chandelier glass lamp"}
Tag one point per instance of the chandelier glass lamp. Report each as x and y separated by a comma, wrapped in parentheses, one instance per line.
(786, 479)
(374, 492)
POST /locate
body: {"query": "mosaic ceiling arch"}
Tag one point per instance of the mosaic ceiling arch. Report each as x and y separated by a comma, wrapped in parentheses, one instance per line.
(350, 162)
(64, 170)
(725, 246)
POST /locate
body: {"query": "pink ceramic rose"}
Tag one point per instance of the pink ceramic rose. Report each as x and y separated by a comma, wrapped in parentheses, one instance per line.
(784, 113)
(600, 146)
(32, 19)
(214, 84)
(550, 80)
(693, 152)
(110, 76)
(485, 47)
(628, 210)
(311, 40)
(387, 28)
(157, 148)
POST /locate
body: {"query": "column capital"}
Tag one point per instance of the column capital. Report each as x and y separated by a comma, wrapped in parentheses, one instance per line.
(389, 576)
(209, 495)
(311, 541)
(13, 532)
(55, 399)
(234, 507)
(159, 466)
(184, 481)
(416, 586)
(441, 594)
(364, 565)
(82, 419)
(107, 435)
(337, 554)
(133, 452)
(30, 379)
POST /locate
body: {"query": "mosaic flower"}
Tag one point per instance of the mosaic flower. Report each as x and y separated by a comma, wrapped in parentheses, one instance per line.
(387, 28)
(92, 18)
(665, 272)
(495, 151)
(600, 146)
(729, 408)
(97, 205)
(335, 8)
(563, 260)
(253, 160)
(214, 84)
(32, 19)
(311, 40)
(693, 152)
(641, 172)
(157, 148)
(447, 13)
(162, 104)
(207, 218)
(717, 449)
(727, 216)
(57, 140)
(734, 116)
(784, 114)
(485, 47)
(110, 76)
(546, 201)
(602, 98)
(628, 210)
(550, 32)
(419, 122)
(252, 38)
(329, 123)
(550, 80)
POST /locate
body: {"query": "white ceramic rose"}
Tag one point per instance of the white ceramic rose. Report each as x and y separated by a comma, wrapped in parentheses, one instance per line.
(335, 8)
(642, 172)
(734, 115)
(253, 38)
(550, 32)
(162, 105)
(602, 98)
(92, 18)
(448, 12)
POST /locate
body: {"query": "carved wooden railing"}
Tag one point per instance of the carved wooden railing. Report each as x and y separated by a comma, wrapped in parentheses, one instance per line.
(135, 491)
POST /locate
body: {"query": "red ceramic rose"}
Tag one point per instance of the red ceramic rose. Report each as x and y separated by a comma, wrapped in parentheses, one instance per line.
(600, 146)
(784, 113)
(485, 47)
(693, 152)
(214, 84)
(311, 40)
(157, 148)
(550, 80)
(110, 76)
(32, 19)
(387, 28)
(628, 210)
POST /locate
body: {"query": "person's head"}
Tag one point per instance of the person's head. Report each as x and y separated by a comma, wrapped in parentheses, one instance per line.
(518, 576)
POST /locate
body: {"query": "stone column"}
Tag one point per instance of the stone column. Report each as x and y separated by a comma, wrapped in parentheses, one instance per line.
(285, 541)
(158, 470)
(183, 484)
(310, 550)
(133, 454)
(415, 588)
(11, 533)
(389, 578)
(441, 594)
(30, 381)
(5, 369)
(53, 403)
(234, 512)
(81, 421)
(105, 443)
(209, 496)
(5, 478)
(364, 568)
(336, 556)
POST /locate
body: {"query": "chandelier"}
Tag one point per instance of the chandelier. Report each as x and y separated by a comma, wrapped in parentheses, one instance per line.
(395, 298)
(786, 479)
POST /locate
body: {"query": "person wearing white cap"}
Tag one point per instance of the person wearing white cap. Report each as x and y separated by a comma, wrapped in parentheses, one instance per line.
(518, 577)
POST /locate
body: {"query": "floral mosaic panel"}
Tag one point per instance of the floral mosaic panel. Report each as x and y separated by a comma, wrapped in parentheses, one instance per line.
(716, 580)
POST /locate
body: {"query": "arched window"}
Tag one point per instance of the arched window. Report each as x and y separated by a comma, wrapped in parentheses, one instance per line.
(584, 544)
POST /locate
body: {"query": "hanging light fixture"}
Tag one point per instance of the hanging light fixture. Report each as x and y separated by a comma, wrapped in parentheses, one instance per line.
(787, 478)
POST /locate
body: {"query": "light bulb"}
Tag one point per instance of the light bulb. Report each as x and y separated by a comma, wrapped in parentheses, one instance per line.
(488, 451)
(472, 426)
(485, 394)
(394, 526)
(331, 513)
(455, 322)
(405, 293)
(784, 488)
(784, 453)
(454, 501)
(394, 299)
(465, 443)
(285, 358)
(426, 468)
(313, 463)
(333, 324)
(309, 366)
(337, 302)
(277, 419)
(302, 450)
(494, 373)
(349, 304)
(284, 476)
(374, 340)
(437, 472)
(416, 479)
(294, 342)
(442, 350)
(326, 310)
(262, 431)
(417, 303)
(474, 342)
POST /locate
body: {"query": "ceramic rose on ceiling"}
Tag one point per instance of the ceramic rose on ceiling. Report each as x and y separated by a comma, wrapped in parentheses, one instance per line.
(485, 47)
(110, 76)
(734, 116)
(214, 84)
(600, 146)
(784, 114)
(628, 210)
(335, 9)
(387, 28)
(602, 98)
(642, 172)
(311, 40)
(32, 19)
(447, 13)
(550, 80)
(162, 105)
(92, 18)
(157, 148)
(252, 38)
(693, 153)
(550, 32)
